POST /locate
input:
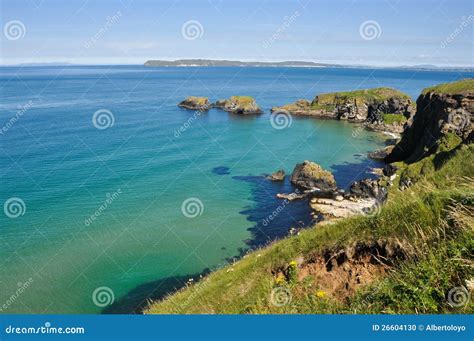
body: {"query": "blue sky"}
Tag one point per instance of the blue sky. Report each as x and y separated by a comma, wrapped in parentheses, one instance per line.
(403, 32)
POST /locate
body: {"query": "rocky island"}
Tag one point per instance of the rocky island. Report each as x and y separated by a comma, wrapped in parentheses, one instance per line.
(383, 109)
(243, 105)
(195, 103)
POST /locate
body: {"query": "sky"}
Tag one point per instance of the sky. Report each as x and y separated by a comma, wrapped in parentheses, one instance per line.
(361, 32)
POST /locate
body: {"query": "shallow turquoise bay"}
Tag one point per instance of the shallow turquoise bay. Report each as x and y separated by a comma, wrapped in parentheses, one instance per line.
(142, 245)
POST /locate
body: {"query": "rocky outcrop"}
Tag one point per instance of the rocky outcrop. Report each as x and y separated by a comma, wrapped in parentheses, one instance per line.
(329, 209)
(279, 175)
(442, 111)
(373, 106)
(310, 176)
(195, 103)
(244, 105)
(368, 188)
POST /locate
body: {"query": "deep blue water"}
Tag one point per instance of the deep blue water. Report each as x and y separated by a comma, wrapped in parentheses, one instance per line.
(153, 158)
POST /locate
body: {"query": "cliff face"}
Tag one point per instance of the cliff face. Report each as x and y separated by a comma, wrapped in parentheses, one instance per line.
(438, 113)
(372, 106)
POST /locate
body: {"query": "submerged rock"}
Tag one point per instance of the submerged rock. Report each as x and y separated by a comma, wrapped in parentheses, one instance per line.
(195, 103)
(291, 196)
(244, 105)
(279, 175)
(311, 176)
(380, 154)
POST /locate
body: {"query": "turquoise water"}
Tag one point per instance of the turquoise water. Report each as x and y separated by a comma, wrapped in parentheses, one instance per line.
(153, 158)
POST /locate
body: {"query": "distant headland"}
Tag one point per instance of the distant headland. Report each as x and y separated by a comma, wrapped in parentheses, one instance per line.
(293, 63)
(210, 62)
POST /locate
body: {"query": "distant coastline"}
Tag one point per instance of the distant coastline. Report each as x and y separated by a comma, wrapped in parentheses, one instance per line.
(236, 63)
(290, 63)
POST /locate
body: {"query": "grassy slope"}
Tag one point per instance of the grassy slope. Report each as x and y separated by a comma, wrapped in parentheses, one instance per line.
(392, 118)
(434, 217)
(460, 87)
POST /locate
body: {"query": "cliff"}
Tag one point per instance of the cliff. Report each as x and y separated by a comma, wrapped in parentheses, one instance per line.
(441, 110)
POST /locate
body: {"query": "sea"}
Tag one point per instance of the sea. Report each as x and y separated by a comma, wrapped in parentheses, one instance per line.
(112, 195)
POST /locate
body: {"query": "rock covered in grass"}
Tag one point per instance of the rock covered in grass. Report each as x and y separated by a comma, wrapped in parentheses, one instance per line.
(311, 176)
(195, 103)
(444, 117)
(371, 106)
(244, 105)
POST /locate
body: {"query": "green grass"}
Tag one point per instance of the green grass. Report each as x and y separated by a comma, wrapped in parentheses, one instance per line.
(359, 96)
(433, 218)
(201, 101)
(393, 118)
(460, 87)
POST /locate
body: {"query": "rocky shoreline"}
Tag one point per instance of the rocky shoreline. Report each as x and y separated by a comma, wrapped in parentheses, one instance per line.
(443, 118)
(378, 109)
(243, 105)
